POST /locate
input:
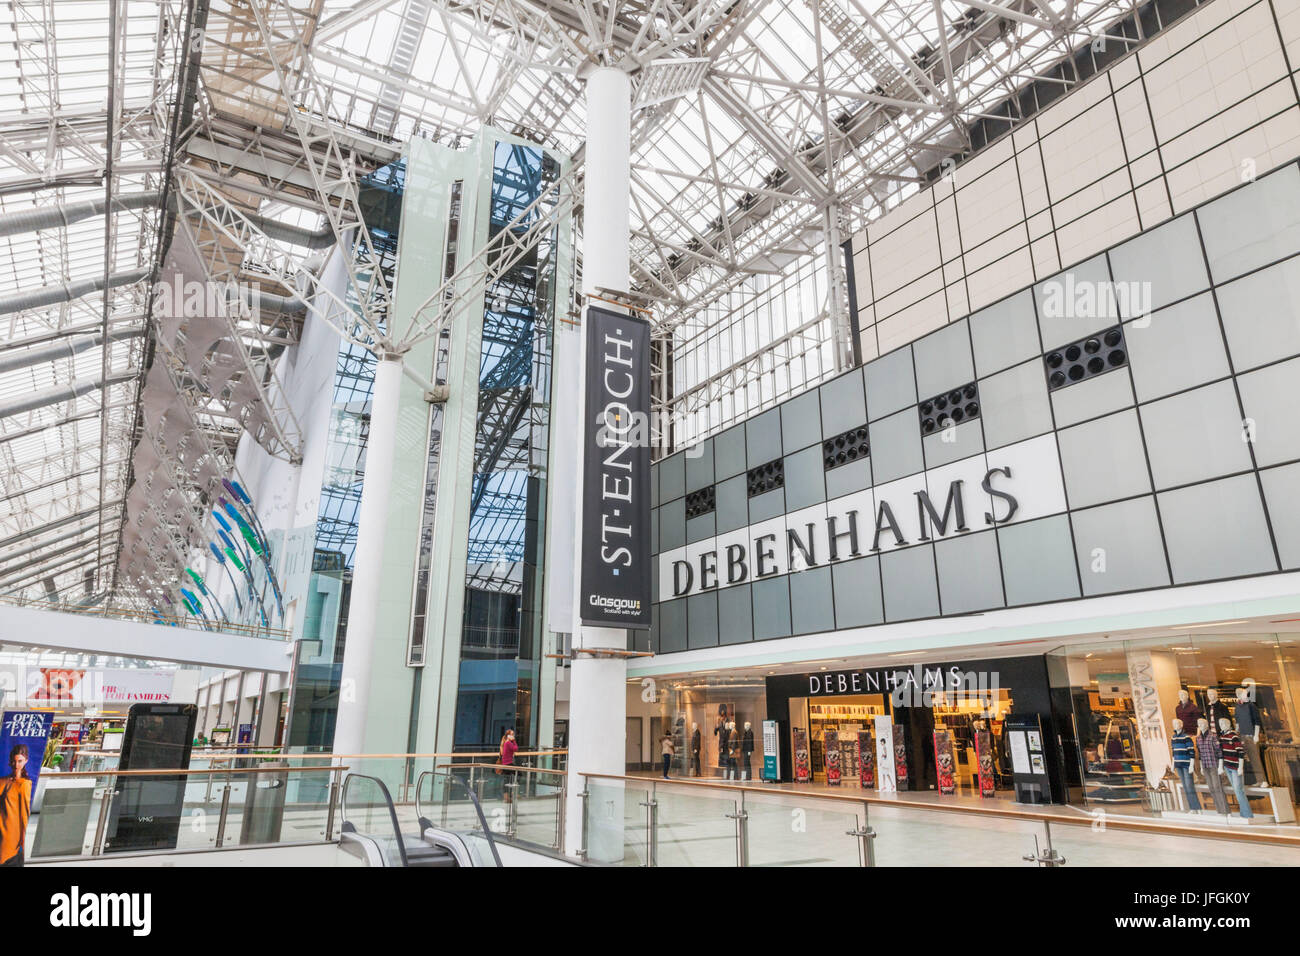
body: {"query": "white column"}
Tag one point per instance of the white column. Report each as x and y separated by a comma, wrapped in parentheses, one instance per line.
(363, 608)
(598, 701)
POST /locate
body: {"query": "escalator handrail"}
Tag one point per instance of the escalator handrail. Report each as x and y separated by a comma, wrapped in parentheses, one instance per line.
(388, 799)
(478, 809)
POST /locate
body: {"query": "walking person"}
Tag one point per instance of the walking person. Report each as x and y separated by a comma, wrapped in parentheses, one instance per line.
(15, 807)
(667, 749)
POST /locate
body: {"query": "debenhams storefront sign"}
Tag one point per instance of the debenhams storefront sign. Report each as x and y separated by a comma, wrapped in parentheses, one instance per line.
(1016, 483)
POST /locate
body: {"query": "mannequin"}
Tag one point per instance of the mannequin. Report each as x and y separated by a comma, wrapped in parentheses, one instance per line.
(1210, 754)
(695, 749)
(1215, 709)
(1187, 711)
(1246, 715)
(747, 752)
(720, 731)
(1184, 749)
(1230, 742)
(733, 751)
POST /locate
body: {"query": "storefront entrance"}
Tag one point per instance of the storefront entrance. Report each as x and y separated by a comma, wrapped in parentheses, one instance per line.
(945, 723)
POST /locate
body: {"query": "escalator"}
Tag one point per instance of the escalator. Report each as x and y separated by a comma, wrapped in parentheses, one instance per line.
(373, 832)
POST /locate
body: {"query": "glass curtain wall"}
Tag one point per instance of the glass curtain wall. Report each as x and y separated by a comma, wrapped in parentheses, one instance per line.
(324, 634)
(501, 635)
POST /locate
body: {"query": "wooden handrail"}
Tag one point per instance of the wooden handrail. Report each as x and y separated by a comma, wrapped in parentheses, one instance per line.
(1112, 822)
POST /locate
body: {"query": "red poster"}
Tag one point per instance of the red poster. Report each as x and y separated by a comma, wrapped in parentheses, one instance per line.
(984, 756)
(866, 760)
(944, 762)
(802, 765)
(832, 741)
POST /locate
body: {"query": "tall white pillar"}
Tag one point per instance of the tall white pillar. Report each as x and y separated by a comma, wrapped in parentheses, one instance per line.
(598, 694)
(367, 564)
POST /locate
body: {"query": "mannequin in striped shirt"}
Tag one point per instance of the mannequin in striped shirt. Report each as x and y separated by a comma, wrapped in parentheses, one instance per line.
(1233, 751)
(1184, 750)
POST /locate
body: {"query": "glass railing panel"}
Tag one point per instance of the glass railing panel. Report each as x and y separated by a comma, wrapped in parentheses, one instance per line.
(68, 816)
(367, 807)
(538, 807)
(696, 827)
(912, 837)
(614, 825)
(1098, 844)
(789, 831)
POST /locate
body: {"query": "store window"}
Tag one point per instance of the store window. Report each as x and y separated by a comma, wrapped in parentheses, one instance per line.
(715, 724)
(1144, 713)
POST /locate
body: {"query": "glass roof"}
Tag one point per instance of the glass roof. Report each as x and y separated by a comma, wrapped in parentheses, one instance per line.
(761, 129)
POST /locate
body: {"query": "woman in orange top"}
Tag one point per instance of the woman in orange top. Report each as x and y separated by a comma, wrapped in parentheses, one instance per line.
(15, 807)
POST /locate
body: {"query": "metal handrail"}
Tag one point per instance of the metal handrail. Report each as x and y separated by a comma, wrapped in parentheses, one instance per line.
(478, 809)
(1046, 817)
(392, 810)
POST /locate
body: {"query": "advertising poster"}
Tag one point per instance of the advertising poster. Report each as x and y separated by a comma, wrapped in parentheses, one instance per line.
(245, 738)
(802, 764)
(984, 756)
(944, 762)
(900, 757)
(885, 769)
(832, 741)
(867, 760)
(23, 735)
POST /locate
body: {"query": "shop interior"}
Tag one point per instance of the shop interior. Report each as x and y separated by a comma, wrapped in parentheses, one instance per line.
(1220, 677)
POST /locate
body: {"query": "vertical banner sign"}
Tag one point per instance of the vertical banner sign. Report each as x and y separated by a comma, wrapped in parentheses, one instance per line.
(944, 761)
(885, 780)
(616, 472)
(984, 755)
(832, 740)
(802, 764)
(23, 734)
(771, 751)
(866, 760)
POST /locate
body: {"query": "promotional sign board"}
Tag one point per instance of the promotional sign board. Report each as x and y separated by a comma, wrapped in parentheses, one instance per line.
(984, 757)
(771, 751)
(802, 763)
(832, 741)
(944, 761)
(886, 782)
(615, 582)
(900, 757)
(23, 734)
(866, 760)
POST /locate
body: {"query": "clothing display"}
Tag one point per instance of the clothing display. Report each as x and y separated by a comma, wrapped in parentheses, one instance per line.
(1255, 760)
(1184, 750)
(1209, 752)
(747, 753)
(1230, 746)
(1239, 788)
(1215, 781)
(1217, 710)
(1189, 714)
(695, 752)
(1246, 714)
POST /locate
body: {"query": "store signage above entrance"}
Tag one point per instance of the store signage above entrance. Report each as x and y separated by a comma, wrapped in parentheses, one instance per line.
(616, 579)
(914, 686)
(848, 533)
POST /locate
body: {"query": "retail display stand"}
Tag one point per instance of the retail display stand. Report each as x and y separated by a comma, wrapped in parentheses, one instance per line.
(866, 760)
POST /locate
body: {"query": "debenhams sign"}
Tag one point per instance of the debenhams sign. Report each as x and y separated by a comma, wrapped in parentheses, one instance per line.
(848, 534)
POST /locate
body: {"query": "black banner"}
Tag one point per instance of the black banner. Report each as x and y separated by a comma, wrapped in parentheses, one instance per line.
(615, 545)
